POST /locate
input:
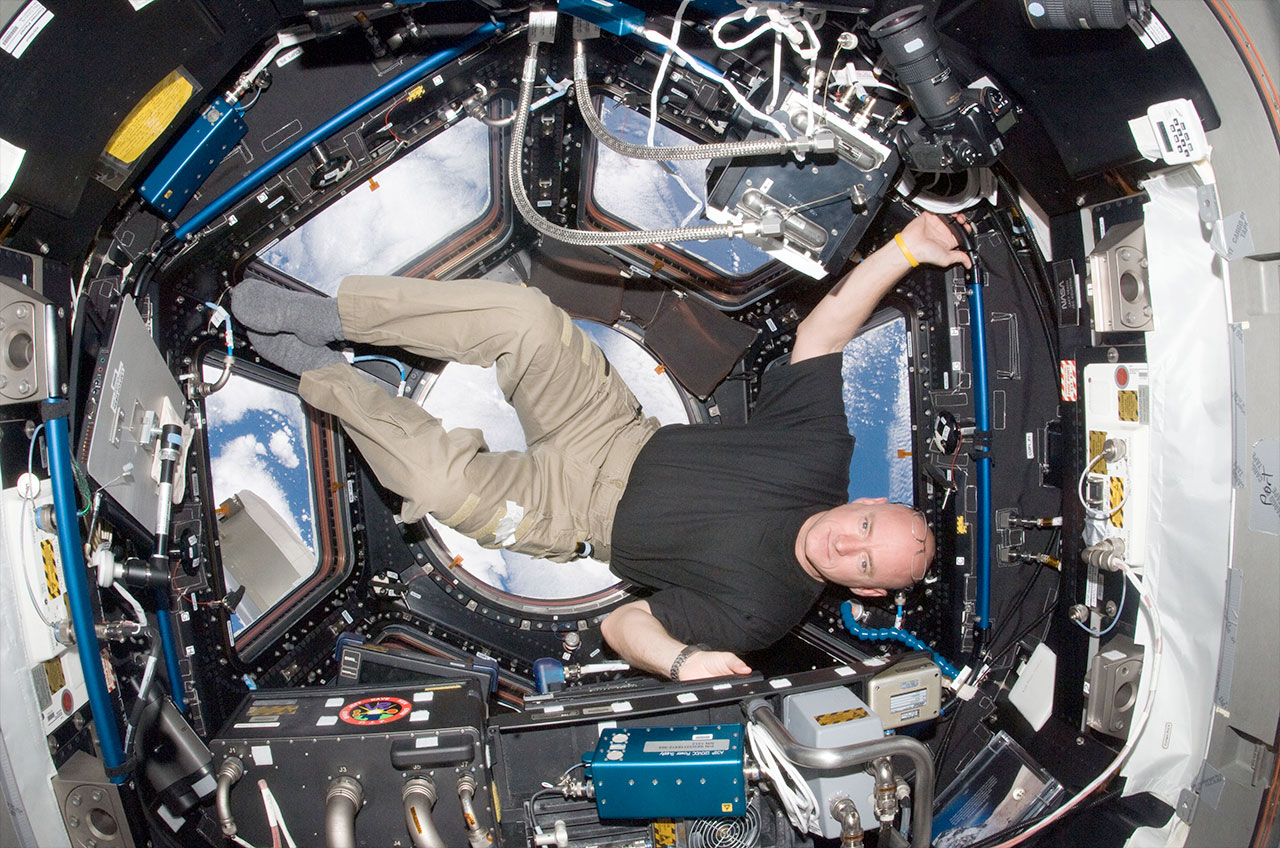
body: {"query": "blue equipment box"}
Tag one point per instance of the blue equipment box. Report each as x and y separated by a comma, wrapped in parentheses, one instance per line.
(193, 158)
(668, 772)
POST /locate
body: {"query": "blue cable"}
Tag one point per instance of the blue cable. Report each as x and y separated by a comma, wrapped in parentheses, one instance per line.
(1124, 594)
(874, 635)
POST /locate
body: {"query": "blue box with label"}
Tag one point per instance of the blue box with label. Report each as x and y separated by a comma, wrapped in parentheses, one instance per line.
(669, 772)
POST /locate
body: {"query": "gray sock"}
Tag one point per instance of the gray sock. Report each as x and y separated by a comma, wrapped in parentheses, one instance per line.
(261, 306)
(287, 351)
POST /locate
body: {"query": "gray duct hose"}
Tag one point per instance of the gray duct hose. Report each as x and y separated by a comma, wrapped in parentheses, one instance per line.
(419, 796)
(477, 836)
(589, 238)
(861, 753)
(341, 803)
(231, 770)
(767, 147)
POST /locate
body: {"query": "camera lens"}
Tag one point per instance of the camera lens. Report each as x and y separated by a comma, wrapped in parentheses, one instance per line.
(1084, 14)
(910, 46)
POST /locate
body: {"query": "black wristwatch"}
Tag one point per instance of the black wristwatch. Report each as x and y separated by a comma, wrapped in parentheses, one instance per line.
(689, 650)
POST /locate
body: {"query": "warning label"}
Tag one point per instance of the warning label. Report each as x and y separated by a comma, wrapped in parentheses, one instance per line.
(842, 716)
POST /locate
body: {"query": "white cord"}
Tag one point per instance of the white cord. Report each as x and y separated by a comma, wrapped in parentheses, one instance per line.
(1089, 509)
(662, 41)
(274, 815)
(797, 32)
(1154, 652)
(793, 792)
(138, 612)
(662, 72)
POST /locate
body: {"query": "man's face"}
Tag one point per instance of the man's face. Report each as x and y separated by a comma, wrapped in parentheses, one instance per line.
(868, 545)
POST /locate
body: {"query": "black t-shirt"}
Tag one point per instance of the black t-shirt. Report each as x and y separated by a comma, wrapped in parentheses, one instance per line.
(710, 514)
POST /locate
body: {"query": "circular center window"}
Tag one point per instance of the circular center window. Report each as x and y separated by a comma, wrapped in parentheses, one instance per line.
(468, 396)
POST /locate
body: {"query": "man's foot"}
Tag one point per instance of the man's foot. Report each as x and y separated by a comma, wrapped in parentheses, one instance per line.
(260, 306)
(292, 354)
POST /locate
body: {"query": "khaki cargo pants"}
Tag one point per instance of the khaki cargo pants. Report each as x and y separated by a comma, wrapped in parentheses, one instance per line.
(582, 424)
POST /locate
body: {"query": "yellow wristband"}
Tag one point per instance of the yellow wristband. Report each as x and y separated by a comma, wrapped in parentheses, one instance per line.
(902, 245)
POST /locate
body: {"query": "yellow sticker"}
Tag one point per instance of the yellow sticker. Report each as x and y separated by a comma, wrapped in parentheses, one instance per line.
(150, 117)
(726, 808)
(1117, 497)
(51, 584)
(842, 716)
(53, 671)
(1127, 405)
(664, 834)
(258, 710)
(1097, 439)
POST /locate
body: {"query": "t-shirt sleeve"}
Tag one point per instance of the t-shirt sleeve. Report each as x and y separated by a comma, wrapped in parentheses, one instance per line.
(693, 617)
(810, 389)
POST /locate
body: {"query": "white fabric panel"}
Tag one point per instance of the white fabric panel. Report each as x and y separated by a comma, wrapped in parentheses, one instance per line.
(20, 725)
(1190, 510)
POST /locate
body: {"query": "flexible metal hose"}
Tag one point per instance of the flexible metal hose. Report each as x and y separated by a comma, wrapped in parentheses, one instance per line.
(231, 770)
(765, 147)
(419, 796)
(588, 238)
(341, 803)
(477, 836)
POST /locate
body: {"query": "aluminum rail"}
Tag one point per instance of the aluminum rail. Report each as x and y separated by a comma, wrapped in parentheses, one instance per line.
(861, 753)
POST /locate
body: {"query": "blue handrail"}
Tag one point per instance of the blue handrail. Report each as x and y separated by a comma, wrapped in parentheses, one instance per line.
(982, 460)
(70, 547)
(165, 626)
(268, 169)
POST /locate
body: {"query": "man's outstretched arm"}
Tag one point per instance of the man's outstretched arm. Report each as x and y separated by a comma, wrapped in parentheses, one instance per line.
(839, 315)
(641, 640)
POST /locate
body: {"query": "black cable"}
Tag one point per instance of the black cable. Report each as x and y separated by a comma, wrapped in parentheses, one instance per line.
(1037, 295)
(1022, 596)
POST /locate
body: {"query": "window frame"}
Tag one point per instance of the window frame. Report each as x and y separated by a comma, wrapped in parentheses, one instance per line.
(327, 471)
(670, 263)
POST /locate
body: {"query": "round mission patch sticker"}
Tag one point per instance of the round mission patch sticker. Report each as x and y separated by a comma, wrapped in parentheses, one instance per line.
(377, 710)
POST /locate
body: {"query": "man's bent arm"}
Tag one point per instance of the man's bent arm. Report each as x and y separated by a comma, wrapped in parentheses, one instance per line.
(839, 315)
(641, 640)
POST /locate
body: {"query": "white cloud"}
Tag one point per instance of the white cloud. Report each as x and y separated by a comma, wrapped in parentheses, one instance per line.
(241, 465)
(419, 200)
(240, 395)
(281, 444)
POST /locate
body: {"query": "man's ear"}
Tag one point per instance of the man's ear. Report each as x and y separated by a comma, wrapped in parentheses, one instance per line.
(869, 593)
(871, 500)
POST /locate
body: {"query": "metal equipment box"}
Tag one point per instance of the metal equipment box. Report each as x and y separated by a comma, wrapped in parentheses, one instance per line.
(833, 718)
(907, 693)
(193, 158)
(294, 743)
(668, 772)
